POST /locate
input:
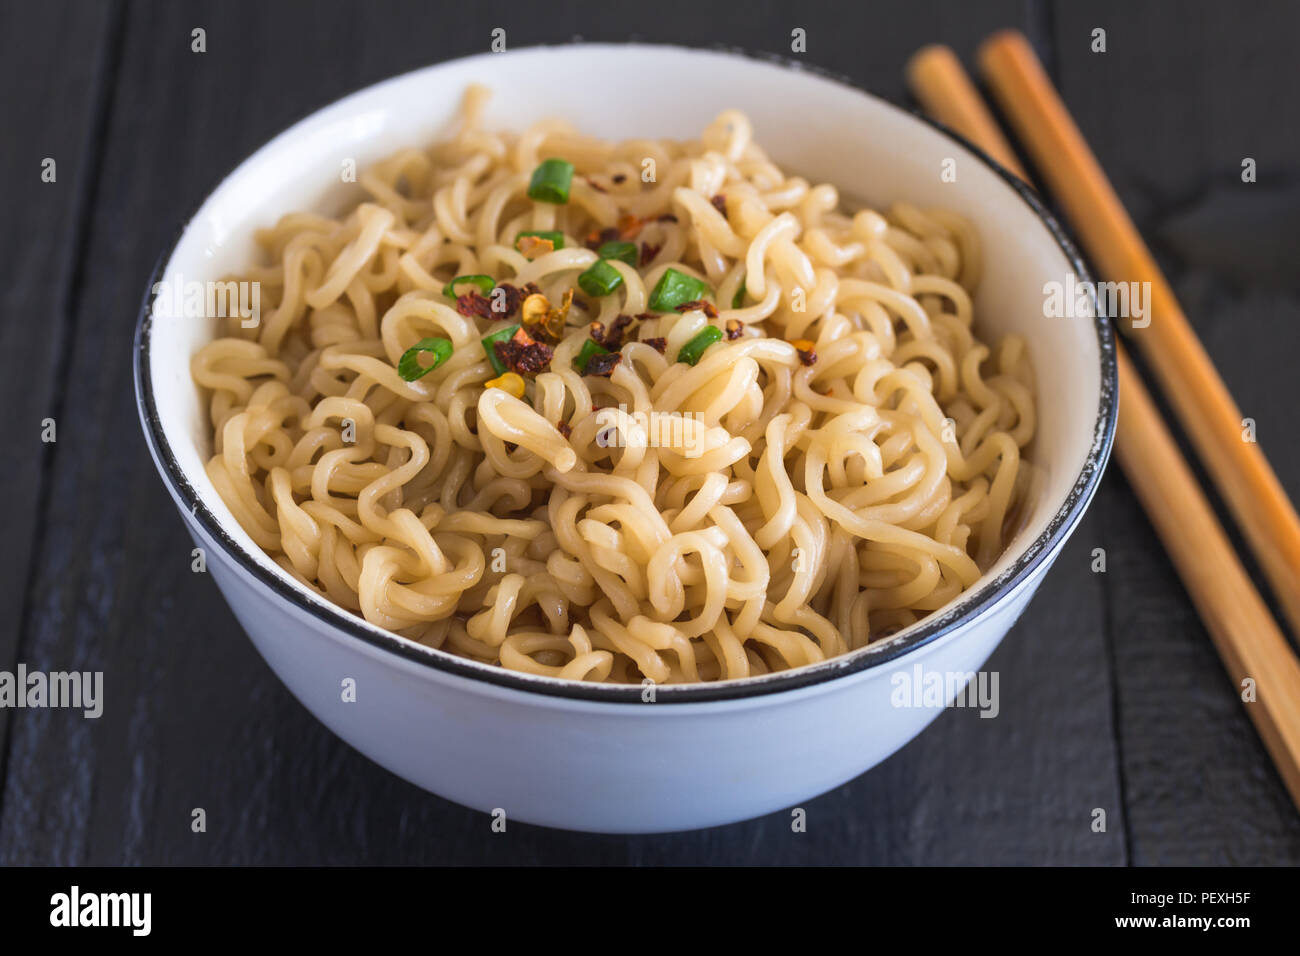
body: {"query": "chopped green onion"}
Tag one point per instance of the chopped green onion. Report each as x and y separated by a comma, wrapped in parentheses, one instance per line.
(589, 348)
(485, 283)
(738, 299)
(623, 251)
(675, 288)
(690, 352)
(557, 238)
(501, 335)
(550, 182)
(409, 367)
(600, 279)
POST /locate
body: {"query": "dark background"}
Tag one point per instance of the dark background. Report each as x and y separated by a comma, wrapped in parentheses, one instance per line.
(1112, 696)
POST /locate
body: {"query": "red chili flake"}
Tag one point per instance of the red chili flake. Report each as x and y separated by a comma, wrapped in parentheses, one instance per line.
(648, 251)
(617, 329)
(667, 217)
(708, 308)
(807, 356)
(603, 363)
(564, 429)
(619, 179)
(597, 238)
(538, 333)
(612, 337)
(533, 247)
(659, 345)
(473, 303)
(595, 185)
(735, 328)
(514, 296)
(643, 316)
(720, 204)
(629, 226)
(523, 354)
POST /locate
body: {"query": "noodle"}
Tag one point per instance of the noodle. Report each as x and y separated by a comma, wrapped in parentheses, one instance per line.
(843, 460)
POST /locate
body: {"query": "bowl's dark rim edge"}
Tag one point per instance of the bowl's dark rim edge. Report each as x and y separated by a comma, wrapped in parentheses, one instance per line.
(890, 649)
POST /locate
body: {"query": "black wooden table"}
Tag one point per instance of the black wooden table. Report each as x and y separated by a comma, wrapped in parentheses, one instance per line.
(1112, 696)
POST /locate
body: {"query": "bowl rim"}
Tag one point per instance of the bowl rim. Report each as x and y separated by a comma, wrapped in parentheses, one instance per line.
(967, 608)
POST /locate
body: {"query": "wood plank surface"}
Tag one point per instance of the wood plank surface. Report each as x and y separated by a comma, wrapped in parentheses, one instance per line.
(1183, 93)
(53, 110)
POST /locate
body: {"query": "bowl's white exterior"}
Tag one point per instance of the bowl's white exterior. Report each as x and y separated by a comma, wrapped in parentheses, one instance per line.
(645, 766)
(586, 765)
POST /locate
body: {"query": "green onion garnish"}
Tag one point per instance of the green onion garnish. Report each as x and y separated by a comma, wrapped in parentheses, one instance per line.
(557, 238)
(623, 251)
(600, 279)
(409, 367)
(550, 182)
(485, 283)
(690, 352)
(501, 335)
(738, 299)
(674, 288)
(589, 348)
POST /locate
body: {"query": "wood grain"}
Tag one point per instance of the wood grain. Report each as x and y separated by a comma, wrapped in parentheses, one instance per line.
(1252, 647)
(1186, 807)
(1190, 382)
(52, 109)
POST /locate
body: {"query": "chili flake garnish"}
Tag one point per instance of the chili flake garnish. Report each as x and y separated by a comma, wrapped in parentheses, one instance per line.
(564, 428)
(648, 251)
(629, 226)
(619, 178)
(735, 328)
(805, 349)
(659, 345)
(523, 354)
(474, 303)
(603, 364)
(514, 297)
(542, 321)
(705, 306)
(598, 237)
(720, 204)
(534, 246)
(612, 337)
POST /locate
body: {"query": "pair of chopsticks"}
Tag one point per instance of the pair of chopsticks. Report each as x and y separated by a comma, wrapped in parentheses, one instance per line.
(1247, 638)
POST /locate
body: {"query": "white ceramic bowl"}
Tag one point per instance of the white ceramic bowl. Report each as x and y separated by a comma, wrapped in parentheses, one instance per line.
(594, 757)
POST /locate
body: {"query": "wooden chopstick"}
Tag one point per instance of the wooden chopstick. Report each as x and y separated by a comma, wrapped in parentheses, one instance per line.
(940, 84)
(1247, 638)
(1187, 376)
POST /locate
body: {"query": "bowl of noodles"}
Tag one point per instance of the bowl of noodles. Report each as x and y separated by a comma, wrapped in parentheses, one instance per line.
(592, 435)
